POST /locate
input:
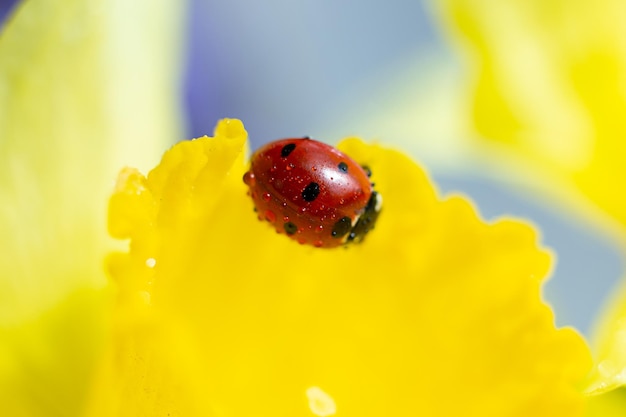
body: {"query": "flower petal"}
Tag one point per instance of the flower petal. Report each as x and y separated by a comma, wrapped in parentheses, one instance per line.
(610, 346)
(611, 404)
(73, 76)
(550, 88)
(549, 91)
(220, 315)
(85, 86)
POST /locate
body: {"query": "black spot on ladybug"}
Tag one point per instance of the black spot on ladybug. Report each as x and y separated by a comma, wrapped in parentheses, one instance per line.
(287, 149)
(290, 228)
(367, 170)
(343, 166)
(311, 192)
(342, 227)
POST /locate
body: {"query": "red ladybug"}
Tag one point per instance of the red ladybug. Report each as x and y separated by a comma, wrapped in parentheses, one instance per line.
(312, 192)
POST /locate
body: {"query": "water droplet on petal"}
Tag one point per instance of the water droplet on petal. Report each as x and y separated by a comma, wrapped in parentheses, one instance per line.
(320, 403)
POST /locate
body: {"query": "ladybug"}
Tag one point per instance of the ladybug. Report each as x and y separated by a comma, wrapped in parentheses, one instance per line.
(312, 192)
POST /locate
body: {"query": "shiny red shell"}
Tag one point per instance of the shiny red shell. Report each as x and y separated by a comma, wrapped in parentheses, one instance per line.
(312, 192)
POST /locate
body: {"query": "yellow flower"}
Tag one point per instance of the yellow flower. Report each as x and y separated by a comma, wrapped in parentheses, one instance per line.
(549, 88)
(437, 313)
(218, 314)
(82, 92)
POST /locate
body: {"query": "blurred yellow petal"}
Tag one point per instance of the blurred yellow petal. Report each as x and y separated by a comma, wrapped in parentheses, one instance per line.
(436, 313)
(549, 86)
(85, 87)
(611, 404)
(551, 89)
(610, 346)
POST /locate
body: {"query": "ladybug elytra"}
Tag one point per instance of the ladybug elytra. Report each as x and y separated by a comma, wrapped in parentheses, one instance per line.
(312, 192)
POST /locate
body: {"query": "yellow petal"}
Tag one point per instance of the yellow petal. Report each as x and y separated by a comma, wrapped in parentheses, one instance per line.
(549, 81)
(550, 88)
(84, 91)
(611, 404)
(85, 87)
(610, 346)
(220, 315)
(46, 363)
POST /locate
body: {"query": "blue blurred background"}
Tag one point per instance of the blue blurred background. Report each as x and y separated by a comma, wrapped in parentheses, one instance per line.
(287, 68)
(383, 71)
(6, 6)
